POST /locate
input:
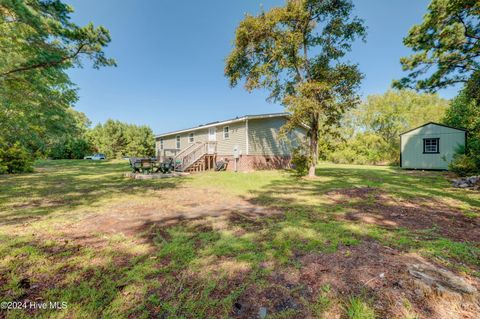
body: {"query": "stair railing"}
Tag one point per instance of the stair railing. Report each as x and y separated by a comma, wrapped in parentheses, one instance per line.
(194, 155)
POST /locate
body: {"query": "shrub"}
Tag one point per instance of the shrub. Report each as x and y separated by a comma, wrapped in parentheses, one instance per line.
(71, 149)
(15, 159)
(300, 162)
(463, 165)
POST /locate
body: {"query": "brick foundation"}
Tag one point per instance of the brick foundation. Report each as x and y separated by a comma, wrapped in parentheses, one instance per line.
(256, 162)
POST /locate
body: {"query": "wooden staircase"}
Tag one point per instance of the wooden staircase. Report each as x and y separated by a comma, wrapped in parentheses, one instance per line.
(198, 157)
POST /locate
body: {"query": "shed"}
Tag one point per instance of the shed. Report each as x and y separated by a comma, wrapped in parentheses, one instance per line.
(431, 146)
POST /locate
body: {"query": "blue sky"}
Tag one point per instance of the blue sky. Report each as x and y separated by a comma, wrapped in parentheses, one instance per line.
(171, 55)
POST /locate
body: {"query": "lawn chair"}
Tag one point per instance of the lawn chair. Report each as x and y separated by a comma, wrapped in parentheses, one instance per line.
(221, 166)
(167, 166)
(135, 164)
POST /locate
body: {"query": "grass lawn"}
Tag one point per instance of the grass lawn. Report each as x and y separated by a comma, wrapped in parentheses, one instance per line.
(224, 244)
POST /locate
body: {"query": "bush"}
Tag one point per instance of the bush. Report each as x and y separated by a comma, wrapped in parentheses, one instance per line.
(15, 159)
(463, 165)
(300, 162)
(363, 148)
(71, 149)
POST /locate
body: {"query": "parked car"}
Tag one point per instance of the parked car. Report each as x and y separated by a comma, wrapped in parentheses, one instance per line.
(95, 157)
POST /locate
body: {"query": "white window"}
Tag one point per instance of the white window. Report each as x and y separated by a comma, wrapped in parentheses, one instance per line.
(178, 141)
(226, 132)
(191, 138)
(161, 143)
(431, 145)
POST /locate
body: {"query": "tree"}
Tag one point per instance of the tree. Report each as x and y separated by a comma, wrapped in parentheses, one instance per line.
(116, 139)
(446, 46)
(38, 43)
(47, 38)
(296, 52)
(464, 112)
(369, 134)
(72, 143)
(394, 112)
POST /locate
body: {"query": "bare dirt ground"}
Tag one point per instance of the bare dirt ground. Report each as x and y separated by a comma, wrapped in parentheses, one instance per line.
(372, 206)
(171, 207)
(369, 269)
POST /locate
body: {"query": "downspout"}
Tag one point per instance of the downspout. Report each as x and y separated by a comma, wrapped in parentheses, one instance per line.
(246, 136)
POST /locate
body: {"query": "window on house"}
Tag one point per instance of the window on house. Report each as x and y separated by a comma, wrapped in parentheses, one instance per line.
(226, 132)
(178, 141)
(190, 138)
(431, 145)
(161, 143)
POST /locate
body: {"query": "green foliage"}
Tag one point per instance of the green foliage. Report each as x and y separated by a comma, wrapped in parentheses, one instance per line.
(363, 148)
(445, 45)
(300, 162)
(70, 149)
(464, 112)
(15, 159)
(117, 139)
(295, 52)
(370, 132)
(463, 165)
(38, 44)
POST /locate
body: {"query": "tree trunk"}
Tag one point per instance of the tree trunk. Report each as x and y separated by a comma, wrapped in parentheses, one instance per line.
(313, 146)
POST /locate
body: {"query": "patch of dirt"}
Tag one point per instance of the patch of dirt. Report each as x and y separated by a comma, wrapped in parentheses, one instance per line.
(371, 206)
(166, 208)
(379, 270)
(378, 273)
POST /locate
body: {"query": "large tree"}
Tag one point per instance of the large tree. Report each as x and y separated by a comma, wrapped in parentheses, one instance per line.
(297, 53)
(38, 43)
(387, 115)
(446, 46)
(117, 139)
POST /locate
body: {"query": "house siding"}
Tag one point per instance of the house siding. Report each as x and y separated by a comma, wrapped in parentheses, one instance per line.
(266, 148)
(237, 139)
(264, 137)
(412, 155)
(170, 142)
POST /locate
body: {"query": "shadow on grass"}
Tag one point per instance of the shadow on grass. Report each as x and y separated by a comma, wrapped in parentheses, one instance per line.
(61, 186)
(281, 253)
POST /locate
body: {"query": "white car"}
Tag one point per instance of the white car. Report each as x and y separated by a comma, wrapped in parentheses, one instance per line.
(95, 157)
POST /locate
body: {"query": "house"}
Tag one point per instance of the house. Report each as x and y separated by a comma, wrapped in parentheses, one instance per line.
(431, 146)
(249, 142)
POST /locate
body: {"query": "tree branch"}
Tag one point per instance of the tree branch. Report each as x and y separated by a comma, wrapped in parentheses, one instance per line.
(472, 36)
(45, 64)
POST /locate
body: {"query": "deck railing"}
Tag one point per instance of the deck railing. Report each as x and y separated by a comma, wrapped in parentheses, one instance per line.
(193, 153)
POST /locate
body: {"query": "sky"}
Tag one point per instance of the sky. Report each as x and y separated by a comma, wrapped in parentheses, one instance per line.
(171, 55)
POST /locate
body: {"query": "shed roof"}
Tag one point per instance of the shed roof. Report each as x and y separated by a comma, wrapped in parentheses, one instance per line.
(236, 119)
(413, 129)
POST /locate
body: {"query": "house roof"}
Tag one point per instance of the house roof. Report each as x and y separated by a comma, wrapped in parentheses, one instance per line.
(234, 120)
(413, 129)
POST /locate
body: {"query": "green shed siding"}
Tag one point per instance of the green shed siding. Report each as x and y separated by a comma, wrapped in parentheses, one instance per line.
(412, 156)
(264, 137)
